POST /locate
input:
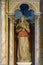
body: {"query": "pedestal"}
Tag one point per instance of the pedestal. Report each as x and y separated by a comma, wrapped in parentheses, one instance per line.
(24, 63)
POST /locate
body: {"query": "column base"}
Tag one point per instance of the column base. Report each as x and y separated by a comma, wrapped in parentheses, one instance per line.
(24, 63)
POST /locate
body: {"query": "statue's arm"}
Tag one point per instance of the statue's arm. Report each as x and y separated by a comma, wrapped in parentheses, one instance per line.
(28, 29)
(18, 30)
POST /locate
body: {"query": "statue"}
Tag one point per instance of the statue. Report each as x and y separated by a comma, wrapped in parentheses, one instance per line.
(23, 31)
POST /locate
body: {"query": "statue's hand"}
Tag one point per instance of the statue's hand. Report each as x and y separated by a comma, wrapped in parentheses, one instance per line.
(19, 30)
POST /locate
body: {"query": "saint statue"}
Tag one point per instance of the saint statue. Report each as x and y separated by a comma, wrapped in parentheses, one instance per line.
(23, 31)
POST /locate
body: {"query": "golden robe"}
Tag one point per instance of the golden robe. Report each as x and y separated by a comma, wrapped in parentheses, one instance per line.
(23, 47)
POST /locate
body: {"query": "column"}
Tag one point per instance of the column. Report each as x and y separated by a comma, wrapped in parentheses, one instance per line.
(3, 35)
(6, 36)
(38, 24)
(37, 39)
(11, 46)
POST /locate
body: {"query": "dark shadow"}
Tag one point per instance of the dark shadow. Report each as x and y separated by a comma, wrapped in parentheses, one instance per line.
(32, 43)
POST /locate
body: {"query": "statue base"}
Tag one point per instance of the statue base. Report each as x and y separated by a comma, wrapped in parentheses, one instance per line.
(24, 63)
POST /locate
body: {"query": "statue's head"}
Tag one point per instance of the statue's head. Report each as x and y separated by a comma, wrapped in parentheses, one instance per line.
(22, 19)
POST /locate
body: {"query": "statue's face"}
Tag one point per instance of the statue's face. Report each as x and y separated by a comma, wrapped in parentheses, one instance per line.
(22, 19)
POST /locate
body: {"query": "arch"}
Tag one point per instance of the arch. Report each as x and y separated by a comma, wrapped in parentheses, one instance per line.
(31, 6)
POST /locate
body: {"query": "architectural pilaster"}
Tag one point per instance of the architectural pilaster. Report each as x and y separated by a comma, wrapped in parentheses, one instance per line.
(11, 46)
(3, 35)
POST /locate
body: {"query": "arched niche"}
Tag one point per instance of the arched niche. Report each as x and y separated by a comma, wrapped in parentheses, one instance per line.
(31, 6)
